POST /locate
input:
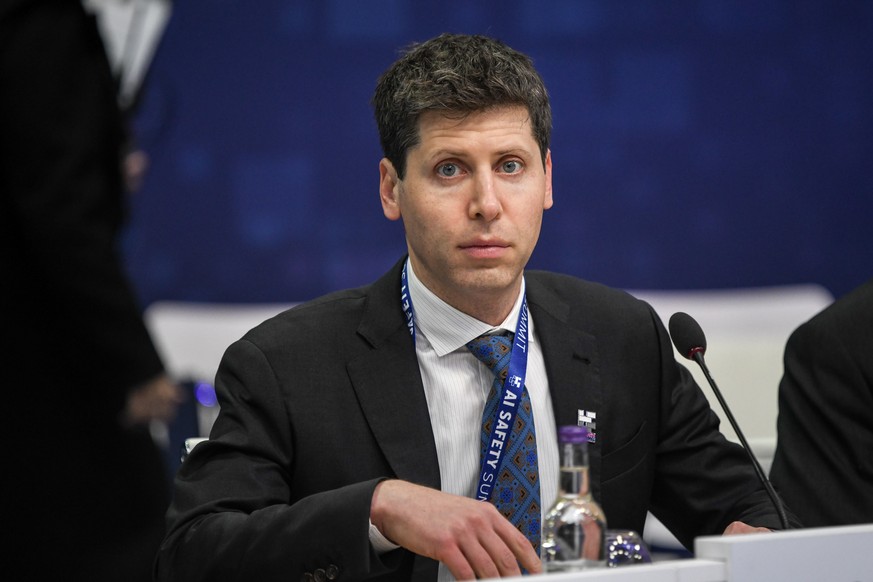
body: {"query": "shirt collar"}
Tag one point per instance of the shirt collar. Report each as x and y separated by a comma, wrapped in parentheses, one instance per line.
(448, 329)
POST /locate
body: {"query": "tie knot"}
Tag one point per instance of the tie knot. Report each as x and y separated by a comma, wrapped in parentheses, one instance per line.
(492, 350)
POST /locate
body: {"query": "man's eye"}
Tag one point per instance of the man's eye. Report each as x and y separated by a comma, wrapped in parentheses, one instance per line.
(511, 167)
(448, 170)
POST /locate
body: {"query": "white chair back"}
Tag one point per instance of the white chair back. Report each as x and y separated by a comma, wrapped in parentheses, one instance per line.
(191, 339)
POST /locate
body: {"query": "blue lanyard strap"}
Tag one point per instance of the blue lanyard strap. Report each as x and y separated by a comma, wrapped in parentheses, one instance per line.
(406, 302)
(513, 386)
(510, 399)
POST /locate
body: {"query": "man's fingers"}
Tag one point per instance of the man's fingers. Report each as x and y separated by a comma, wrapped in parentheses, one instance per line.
(525, 554)
(501, 557)
(470, 537)
(518, 545)
(479, 558)
(458, 564)
(738, 527)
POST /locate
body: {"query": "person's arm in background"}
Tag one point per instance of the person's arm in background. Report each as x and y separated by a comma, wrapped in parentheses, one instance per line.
(63, 207)
(822, 466)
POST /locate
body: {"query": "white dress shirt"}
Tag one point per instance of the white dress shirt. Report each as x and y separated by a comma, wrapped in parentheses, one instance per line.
(456, 385)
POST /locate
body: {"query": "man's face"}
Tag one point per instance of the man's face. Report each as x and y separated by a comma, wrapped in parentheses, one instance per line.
(472, 203)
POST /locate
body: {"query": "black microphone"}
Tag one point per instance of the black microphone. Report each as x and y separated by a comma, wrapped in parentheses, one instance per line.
(691, 343)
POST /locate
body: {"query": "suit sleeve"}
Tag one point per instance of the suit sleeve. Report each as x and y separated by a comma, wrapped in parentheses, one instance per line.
(236, 515)
(822, 466)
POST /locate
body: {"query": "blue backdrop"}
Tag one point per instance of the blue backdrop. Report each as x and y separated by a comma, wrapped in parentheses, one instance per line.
(697, 144)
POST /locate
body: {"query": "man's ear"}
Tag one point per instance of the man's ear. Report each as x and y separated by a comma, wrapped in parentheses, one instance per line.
(389, 186)
(548, 201)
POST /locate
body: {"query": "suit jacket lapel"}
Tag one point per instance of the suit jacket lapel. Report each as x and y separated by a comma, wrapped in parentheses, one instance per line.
(572, 364)
(388, 384)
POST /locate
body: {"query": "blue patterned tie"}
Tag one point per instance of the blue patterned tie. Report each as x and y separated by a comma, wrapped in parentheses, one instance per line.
(517, 491)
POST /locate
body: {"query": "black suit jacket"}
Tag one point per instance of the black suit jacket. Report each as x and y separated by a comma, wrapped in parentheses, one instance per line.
(823, 465)
(325, 400)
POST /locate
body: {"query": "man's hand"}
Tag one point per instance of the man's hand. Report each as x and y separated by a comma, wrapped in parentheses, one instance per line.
(738, 527)
(470, 537)
(157, 399)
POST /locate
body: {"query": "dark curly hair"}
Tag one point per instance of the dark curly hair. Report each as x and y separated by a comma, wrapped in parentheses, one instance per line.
(456, 74)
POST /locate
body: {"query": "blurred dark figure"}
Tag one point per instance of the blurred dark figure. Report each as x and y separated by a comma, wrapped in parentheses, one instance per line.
(85, 484)
(823, 465)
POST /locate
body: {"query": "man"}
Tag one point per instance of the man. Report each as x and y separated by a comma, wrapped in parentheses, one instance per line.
(823, 465)
(86, 486)
(348, 443)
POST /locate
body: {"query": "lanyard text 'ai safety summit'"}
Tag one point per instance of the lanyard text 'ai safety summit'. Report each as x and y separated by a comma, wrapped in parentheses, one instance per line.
(501, 427)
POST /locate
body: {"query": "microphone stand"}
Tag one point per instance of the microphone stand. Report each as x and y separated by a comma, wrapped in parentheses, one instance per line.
(697, 356)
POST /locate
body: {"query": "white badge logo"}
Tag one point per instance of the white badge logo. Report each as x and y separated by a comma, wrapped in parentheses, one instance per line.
(588, 419)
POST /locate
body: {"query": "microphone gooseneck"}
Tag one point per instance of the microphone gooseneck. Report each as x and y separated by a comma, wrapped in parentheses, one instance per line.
(690, 341)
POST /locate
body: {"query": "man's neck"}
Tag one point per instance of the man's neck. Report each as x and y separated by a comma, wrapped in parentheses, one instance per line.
(491, 307)
(488, 308)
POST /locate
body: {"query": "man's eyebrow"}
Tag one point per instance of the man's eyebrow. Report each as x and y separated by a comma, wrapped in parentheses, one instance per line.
(456, 153)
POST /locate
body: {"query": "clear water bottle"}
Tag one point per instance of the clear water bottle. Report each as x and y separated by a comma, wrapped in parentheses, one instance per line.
(574, 528)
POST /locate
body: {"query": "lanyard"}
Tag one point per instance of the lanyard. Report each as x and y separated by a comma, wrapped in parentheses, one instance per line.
(501, 427)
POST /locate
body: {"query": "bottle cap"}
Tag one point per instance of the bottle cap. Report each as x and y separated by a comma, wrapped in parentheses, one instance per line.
(572, 434)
